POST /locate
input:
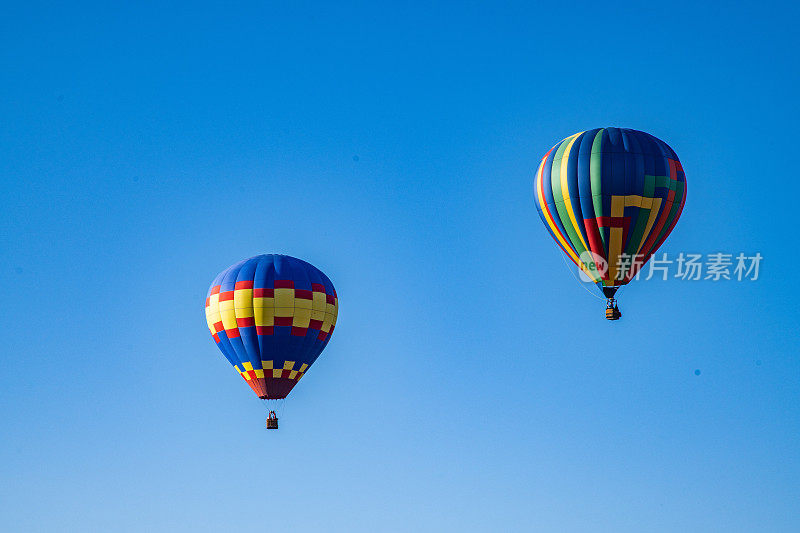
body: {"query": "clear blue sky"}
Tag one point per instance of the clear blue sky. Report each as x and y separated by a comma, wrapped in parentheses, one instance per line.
(471, 383)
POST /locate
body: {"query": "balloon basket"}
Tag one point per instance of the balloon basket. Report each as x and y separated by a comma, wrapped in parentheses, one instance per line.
(612, 311)
(272, 420)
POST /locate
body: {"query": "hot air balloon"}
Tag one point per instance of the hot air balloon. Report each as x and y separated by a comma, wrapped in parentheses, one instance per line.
(271, 316)
(609, 198)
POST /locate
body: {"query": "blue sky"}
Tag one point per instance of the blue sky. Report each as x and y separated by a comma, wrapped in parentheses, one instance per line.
(471, 383)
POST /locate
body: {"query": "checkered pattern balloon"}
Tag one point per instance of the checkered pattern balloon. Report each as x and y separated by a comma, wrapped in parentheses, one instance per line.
(271, 316)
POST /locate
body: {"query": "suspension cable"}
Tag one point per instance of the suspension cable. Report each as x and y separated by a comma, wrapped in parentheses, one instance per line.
(581, 283)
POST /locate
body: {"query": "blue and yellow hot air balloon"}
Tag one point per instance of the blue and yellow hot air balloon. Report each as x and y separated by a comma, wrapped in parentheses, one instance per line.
(609, 198)
(271, 316)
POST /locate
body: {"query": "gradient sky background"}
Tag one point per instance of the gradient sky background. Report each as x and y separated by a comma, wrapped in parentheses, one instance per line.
(471, 384)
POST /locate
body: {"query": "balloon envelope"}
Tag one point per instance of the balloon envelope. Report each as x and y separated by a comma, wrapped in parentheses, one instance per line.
(609, 198)
(271, 316)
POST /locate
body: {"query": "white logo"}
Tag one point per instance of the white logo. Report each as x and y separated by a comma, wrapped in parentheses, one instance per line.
(595, 264)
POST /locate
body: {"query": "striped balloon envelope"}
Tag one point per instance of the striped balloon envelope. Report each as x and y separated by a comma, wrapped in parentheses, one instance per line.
(271, 316)
(609, 198)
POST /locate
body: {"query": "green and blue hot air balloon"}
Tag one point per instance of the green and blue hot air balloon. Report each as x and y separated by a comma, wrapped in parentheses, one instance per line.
(610, 197)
